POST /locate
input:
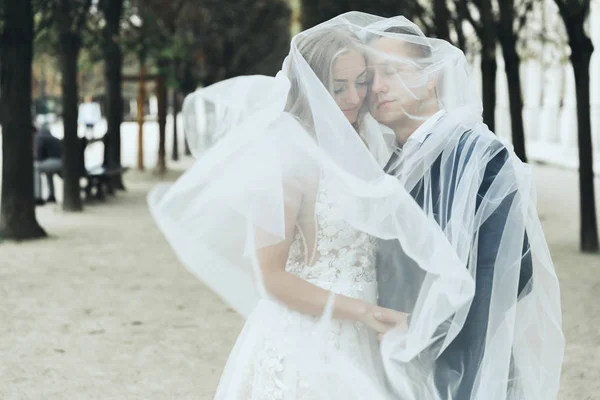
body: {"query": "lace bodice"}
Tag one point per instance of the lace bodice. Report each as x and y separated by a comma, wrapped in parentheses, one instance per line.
(333, 255)
(341, 255)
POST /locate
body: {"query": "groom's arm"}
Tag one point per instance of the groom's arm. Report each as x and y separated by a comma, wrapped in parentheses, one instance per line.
(458, 365)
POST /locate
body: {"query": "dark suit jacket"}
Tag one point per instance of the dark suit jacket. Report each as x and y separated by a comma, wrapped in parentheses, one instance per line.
(463, 355)
(46, 146)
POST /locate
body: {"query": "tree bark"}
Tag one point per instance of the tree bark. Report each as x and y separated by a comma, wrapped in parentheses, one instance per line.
(141, 99)
(458, 17)
(69, 47)
(488, 78)
(441, 19)
(508, 41)
(513, 75)
(314, 11)
(461, 40)
(187, 85)
(113, 64)
(17, 209)
(175, 105)
(581, 54)
(188, 151)
(489, 65)
(161, 94)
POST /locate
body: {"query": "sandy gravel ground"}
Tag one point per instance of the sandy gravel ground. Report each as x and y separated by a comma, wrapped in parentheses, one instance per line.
(103, 310)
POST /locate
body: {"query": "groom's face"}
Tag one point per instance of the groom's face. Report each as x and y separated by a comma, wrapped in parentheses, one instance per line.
(399, 85)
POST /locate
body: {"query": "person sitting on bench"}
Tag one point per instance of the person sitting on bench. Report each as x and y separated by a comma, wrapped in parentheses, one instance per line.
(47, 155)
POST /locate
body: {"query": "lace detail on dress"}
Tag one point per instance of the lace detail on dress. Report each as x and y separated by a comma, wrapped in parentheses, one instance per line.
(298, 253)
(271, 374)
(342, 261)
(342, 253)
(264, 380)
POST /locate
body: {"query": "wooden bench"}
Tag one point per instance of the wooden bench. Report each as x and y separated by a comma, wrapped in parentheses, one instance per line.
(99, 179)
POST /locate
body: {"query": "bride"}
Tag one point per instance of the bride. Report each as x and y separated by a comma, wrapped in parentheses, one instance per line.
(284, 215)
(321, 254)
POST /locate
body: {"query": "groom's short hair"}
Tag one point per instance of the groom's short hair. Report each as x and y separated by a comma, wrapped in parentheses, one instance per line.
(421, 47)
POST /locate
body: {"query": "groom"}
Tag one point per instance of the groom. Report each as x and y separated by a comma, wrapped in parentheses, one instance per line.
(406, 102)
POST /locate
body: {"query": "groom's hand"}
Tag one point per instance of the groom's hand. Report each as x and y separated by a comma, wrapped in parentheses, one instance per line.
(367, 317)
(391, 317)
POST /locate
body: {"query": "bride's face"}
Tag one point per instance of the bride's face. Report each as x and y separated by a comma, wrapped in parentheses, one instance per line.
(350, 83)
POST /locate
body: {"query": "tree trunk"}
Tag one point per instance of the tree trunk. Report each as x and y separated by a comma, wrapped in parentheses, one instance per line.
(461, 40)
(187, 85)
(188, 151)
(69, 45)
(141, 99)
(43, 83)
(489, 66)
(113, 63)
(314, 11)
(441, 19)
(17, 209)
(581, 53)
(513, 75)
(508, 41)
(488, 78)
(161, 94)
(461, 14)
(175, 105)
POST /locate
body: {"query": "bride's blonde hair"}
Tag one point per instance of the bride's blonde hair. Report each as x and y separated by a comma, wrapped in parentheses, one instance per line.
(320, 49)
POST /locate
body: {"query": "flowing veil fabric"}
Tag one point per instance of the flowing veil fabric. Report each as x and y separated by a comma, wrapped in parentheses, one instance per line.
(458, 235)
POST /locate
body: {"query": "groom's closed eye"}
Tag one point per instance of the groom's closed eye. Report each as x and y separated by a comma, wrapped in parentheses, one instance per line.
(389, 70)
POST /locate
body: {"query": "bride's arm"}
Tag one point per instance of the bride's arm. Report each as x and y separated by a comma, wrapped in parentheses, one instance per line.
(301, 295)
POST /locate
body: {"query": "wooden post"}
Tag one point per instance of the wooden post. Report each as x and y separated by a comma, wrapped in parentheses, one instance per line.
(140, 115)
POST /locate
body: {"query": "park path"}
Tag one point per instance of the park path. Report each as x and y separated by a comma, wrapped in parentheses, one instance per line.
(103, 309)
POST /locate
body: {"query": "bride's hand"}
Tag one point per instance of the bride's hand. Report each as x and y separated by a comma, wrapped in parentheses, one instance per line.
(382, 320)
(391, 317)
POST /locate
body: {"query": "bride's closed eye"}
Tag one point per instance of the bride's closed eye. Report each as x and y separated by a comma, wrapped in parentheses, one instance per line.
(339, 89)
(363, 79)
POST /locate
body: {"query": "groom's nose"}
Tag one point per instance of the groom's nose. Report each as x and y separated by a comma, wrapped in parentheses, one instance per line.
(378, 85)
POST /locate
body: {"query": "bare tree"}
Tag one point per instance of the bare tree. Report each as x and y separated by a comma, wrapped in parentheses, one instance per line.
(17, 209)
(442, 20)
(169, 16)
(315, 11)
(252, 37)
(176, 107)
(485, 28)
(457, 18)
(69, 17)
(499, 21)
(574, 14)
(112, 11)
(512, 18)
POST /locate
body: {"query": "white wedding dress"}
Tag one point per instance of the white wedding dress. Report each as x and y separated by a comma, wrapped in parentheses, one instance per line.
(264, 363)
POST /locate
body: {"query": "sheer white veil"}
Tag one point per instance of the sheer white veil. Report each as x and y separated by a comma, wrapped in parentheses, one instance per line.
(508, 342)
(461, 248)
